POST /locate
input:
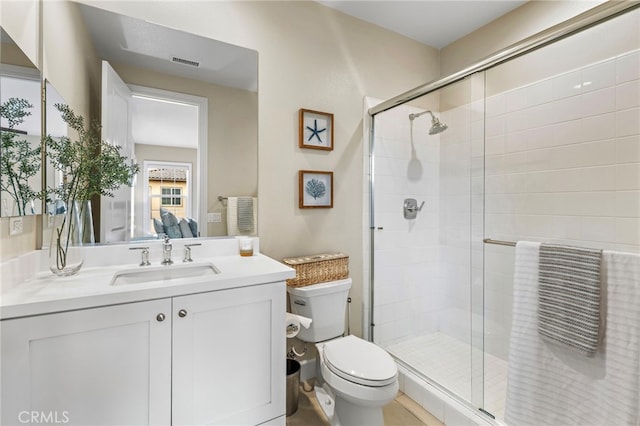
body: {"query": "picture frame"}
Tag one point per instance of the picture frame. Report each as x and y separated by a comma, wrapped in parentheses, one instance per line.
(315, 130)
(315, 189)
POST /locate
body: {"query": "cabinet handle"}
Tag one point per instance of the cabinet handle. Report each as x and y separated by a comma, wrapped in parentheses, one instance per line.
(160, 317)
(182, 313)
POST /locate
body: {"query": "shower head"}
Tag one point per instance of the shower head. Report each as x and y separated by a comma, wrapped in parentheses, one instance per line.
(436, 125)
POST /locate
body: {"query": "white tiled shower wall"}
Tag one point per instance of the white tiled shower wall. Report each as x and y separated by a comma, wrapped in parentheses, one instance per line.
(562, 164)
(406, 251)
(563, 158)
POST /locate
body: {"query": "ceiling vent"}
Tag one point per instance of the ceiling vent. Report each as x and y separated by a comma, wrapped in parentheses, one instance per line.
(185, 61)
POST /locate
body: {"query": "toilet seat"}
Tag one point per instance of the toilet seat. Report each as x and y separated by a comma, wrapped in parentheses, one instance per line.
(359, 361)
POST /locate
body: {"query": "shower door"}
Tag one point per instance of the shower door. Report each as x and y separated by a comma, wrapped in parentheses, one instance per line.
(427, 280)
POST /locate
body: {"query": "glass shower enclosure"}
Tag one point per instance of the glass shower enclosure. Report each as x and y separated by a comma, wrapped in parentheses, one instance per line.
(428, 293)
(541, 146)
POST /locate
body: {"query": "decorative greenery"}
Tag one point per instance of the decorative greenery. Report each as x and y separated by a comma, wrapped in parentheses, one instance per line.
(89, 166)
(315, 188)
(18, 160)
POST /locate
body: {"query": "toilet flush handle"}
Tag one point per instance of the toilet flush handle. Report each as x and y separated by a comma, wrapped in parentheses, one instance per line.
(300, 302)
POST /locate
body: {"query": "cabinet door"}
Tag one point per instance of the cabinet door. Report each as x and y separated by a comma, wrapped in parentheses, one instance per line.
(102, 366)
(229, 356)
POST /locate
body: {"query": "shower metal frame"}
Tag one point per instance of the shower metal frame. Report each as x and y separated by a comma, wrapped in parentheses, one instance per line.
(592, 17)
(578, 23)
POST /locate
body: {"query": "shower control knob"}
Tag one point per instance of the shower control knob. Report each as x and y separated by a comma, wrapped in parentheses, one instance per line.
(182, 313)
(411, 208)
(160, 317)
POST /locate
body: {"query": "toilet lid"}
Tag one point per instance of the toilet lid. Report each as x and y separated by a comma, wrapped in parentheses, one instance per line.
(360, 361)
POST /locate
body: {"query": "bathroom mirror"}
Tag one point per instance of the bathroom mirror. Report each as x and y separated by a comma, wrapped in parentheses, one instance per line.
(20, 155)
(168, 74)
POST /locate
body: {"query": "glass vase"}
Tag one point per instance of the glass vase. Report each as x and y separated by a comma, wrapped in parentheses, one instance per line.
(66, 249)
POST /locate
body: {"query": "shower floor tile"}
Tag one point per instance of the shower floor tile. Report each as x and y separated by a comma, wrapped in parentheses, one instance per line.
(447, 361)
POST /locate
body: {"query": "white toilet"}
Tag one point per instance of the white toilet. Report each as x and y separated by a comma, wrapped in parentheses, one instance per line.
(354, 378)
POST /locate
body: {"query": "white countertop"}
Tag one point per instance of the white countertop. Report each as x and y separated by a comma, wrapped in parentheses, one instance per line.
(46, 293)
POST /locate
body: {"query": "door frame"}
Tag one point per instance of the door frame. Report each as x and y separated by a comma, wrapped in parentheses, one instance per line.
(199, 201)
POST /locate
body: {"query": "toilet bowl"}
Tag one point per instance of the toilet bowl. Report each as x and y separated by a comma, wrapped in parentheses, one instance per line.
(354, 378)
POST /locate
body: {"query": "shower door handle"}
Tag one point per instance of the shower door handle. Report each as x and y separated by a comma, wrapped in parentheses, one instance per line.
(411, 208)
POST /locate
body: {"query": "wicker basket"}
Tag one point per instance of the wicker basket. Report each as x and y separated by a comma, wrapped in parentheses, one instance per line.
(318, 268)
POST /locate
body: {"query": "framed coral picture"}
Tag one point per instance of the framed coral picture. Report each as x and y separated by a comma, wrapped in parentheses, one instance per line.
(315, 130)
(315, 189)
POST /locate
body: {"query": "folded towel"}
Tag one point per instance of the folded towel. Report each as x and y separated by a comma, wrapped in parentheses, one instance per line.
(569, 295)
(235, 216)
(245, 214)
(549, 384)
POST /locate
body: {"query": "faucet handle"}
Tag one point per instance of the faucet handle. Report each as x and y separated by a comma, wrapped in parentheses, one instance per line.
(145, 255)
(187, 252)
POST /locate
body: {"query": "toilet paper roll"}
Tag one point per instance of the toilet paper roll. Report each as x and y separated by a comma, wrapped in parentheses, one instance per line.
(293, 327)
(294, 322)
(304, 321)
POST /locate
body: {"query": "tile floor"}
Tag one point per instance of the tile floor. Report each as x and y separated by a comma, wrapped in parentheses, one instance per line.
(403, 411)
(448, 361)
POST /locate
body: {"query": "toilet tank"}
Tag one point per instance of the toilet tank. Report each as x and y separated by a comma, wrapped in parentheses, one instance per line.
(325, 304)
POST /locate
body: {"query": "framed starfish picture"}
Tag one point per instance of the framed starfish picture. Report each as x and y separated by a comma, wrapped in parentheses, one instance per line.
(316, 130)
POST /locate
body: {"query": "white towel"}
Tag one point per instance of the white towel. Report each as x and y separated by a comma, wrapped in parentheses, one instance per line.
(551, 385)
(232, 218)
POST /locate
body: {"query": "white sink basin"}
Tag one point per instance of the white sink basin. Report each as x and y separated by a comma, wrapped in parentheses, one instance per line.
(147, 274)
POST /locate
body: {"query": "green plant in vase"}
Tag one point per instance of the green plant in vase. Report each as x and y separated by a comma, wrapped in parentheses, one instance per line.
(89, 167)
(19, 161)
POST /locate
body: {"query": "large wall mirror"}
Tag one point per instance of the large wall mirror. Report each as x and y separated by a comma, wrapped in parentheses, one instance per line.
(20, 131)
(182, 106)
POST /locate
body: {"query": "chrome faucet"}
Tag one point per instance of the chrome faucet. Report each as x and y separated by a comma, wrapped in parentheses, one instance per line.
(187, 252)
(166, 251)
(145, 255)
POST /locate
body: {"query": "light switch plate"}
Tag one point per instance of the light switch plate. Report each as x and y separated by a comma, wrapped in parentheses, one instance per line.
(16, 225)
(214, 217)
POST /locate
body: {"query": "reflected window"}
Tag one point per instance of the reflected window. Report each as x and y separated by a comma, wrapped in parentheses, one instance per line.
(171, 196)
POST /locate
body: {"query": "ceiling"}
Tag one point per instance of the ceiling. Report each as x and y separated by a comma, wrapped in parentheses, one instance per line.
(143, 44)
(437, 23)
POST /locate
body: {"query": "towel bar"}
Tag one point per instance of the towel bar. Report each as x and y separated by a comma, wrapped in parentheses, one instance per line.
(499, 242)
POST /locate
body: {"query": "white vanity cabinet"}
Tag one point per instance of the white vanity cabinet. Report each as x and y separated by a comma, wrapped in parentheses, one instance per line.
(229, 356)
(101, 366)
(215, 357)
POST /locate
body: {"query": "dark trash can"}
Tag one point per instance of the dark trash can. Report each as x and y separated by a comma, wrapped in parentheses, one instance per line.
(293, 385)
